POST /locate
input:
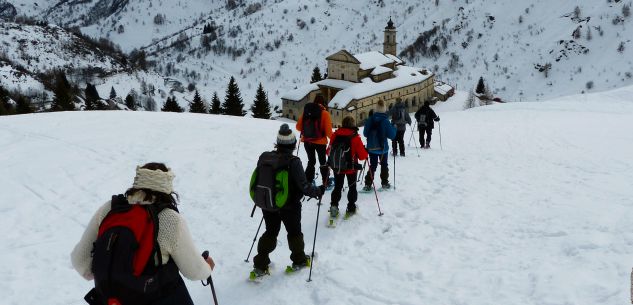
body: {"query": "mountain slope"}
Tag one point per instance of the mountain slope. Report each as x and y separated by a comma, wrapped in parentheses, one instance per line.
(505, 42)
(536, 212)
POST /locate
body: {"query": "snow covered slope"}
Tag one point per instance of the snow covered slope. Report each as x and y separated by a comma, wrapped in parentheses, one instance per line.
(279, 42)
(527, 203)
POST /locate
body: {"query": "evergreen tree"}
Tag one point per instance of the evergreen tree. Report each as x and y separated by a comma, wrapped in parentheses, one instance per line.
(92, 97)
(23, 105)
(233, 104)
(216, 105)
(471, 102)
(197, 106)
(171, 105)
(63, 100)
(5, 107)
(481, 88)
(130, 103)
(112, 93)
(261, 107)
(316, 75)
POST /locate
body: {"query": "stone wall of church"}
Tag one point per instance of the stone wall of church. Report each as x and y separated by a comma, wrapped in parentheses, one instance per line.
(343, 71)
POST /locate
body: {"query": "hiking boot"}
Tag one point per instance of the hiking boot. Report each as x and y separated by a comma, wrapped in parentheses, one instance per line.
(366, 188)
(351, 208)
(386, 185)
(258, 273)
(333, 211)
(428, 145)
(401, 154)
(304, 264)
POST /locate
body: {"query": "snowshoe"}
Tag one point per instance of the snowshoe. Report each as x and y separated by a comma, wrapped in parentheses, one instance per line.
(349, 213)
(257, 274)
(366, 189)
(333, 216)
(296, 267)
(385, 187)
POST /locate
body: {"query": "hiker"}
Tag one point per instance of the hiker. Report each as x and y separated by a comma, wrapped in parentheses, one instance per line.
(377, 131)
(290, 212)
(106, 248)
(315, 126)
(346, 148)
(399, 118)
(426, 118)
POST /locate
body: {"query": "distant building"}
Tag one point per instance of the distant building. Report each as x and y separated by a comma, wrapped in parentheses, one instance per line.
(355, 83)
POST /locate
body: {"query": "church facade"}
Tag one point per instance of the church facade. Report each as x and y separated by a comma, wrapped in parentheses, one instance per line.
(355, 83)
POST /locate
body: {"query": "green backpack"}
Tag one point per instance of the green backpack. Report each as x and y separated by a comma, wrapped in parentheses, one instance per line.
(269, 181)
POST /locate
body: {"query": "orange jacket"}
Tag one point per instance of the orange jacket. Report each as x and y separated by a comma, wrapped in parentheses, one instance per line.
(326, 127)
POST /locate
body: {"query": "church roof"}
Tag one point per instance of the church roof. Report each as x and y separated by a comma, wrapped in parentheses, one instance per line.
(373, 59)
(404, 76)
(390, 25)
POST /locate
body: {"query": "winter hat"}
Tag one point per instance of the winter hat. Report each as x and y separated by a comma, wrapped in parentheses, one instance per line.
(286, 136)
(155, 180)
(380, 106)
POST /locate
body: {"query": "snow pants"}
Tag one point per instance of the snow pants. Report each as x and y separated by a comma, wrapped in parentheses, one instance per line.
(291, 219)
(313, 151)
(428, 131)
(352, 194)
(374, 159)
(398, 142)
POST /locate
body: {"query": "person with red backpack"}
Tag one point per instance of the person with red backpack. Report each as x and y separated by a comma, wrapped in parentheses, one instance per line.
(315, 126)
(346, 148)
(136, 244)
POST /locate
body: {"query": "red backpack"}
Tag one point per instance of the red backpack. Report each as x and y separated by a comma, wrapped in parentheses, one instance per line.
(123, 264)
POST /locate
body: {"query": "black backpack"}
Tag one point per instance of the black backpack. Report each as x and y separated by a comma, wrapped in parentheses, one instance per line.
(269, 187)
(340, 158)
(123, 255)
(398, 116)
(311, 124)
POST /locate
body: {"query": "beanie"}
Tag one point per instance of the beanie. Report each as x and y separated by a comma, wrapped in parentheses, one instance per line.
(380, 106)
(286, 136)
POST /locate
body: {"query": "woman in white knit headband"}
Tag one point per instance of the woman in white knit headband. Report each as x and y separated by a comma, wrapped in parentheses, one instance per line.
(160, 249)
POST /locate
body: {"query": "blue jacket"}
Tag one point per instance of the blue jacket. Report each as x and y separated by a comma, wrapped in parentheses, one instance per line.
(377, 131)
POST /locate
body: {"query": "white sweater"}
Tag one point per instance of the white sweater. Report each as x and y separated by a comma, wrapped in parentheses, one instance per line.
(174, 240)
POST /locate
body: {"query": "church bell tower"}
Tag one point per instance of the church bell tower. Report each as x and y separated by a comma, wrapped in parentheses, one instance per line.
(389, 46)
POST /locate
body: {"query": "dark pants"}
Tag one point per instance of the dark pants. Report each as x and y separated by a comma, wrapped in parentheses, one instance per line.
(268, 241)
(374, 159)
(428, 131)
(398, 141)
(180, 296)
(352, 194)
(313, 151)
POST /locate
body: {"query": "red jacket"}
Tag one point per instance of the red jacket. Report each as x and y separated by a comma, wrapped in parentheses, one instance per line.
(326, 126)
(358, 150)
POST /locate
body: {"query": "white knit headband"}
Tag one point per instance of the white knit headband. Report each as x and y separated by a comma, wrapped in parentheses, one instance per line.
(155, 180)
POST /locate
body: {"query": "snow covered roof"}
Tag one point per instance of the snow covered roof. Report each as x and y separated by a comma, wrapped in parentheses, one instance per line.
(380, 70)
(299, 93)
(394, 58)
(336, 83)
(404, 76)
(372, 60)
(442, 88)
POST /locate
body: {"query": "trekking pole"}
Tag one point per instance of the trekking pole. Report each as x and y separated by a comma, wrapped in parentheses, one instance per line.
(205, 255)
(316, 228)
(254, 239)
(440, 126)
(362, 171)
(394, 172)
(412, 134)
(375, 192)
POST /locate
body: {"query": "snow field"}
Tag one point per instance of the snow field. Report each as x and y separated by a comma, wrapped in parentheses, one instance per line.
(527, 203)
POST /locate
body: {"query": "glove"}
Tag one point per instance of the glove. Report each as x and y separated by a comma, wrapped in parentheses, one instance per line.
(437, 119)
(321, 189)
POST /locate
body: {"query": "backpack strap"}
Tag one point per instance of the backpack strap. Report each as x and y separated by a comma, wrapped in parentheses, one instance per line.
(154, 210)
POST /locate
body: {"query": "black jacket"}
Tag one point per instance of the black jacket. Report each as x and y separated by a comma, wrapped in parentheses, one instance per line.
(430, 116)
(298, 184)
